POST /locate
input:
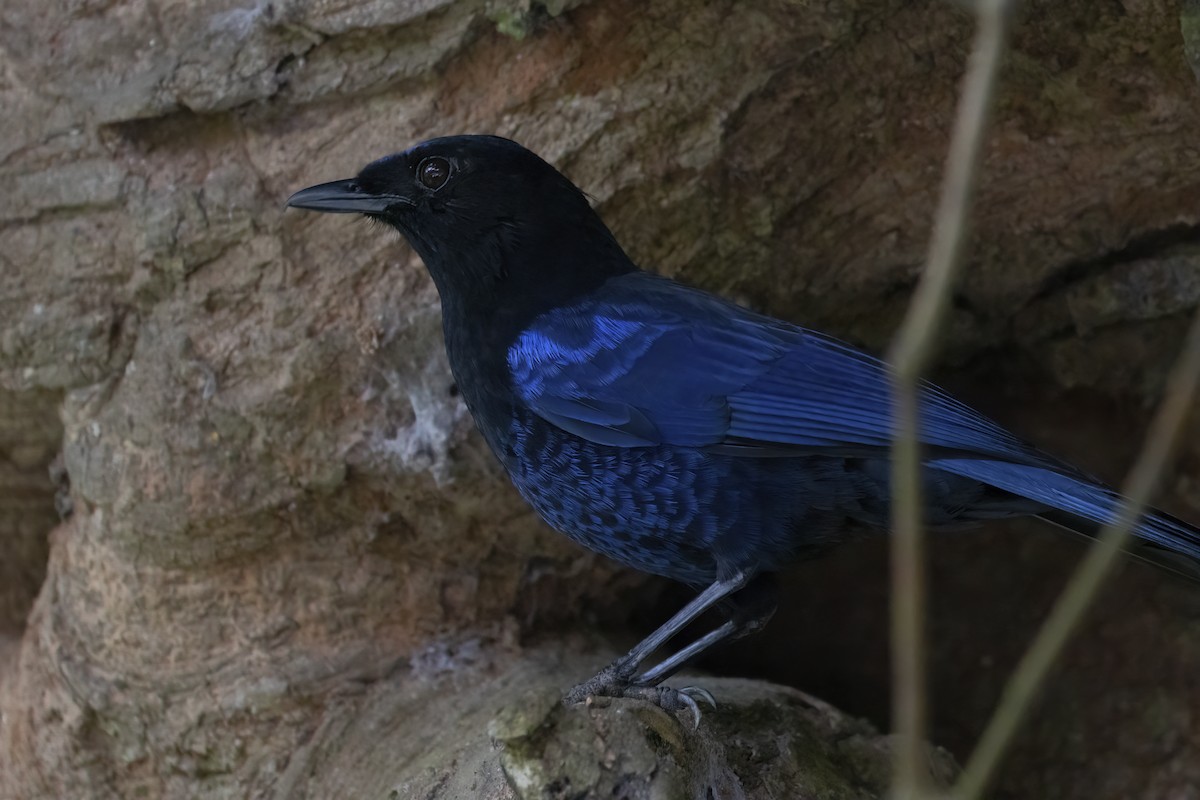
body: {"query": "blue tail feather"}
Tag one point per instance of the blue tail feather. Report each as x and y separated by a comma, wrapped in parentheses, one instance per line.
(1092, 502)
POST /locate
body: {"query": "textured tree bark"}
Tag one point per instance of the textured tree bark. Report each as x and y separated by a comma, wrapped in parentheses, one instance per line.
(291, 569)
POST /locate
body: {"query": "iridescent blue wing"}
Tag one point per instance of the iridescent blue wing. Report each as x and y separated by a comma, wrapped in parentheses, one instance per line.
(645, 361)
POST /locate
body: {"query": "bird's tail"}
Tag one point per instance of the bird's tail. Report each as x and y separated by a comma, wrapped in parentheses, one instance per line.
(1084, 507)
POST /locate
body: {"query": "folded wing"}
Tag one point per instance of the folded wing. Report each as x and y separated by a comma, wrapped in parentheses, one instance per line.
(646, 361)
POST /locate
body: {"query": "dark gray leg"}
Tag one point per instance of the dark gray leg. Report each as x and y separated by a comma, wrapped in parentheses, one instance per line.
(620, 679)
(677, 661)
(749, 611)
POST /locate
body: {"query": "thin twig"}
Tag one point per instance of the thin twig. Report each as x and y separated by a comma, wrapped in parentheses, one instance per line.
(910, 356)
(1156, 455)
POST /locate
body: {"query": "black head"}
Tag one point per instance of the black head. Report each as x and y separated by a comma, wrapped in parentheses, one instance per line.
(488, 217)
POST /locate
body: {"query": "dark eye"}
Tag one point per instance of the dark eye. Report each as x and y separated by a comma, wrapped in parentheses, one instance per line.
(433, 172)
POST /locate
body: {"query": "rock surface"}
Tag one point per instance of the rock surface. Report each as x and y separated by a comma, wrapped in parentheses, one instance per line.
(507, 736)
(276, 497)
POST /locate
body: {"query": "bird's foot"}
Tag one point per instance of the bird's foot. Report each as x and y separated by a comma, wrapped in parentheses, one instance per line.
(609, 683)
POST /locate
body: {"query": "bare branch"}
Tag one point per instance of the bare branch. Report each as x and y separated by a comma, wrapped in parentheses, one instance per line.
(910, 356)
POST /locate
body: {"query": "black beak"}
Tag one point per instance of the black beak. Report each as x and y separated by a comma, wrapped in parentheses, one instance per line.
(344, 197)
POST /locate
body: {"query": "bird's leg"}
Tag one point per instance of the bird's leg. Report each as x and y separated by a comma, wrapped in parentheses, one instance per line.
(618, 679)
(749, 612)
(678, 660)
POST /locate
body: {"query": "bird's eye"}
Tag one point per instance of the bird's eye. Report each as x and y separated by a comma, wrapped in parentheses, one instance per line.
(433, 172)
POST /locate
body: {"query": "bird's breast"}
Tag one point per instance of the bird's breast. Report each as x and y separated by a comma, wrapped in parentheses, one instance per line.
(649, 508)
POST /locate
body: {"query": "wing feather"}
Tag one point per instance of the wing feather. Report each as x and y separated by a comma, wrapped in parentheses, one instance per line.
(646, 361)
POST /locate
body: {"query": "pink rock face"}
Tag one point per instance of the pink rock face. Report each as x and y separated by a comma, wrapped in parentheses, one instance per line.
(279, 505)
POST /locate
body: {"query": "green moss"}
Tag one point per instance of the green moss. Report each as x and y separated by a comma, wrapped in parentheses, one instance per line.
(521, 18)
(1189, 27)
(511, 23)
(527, 721)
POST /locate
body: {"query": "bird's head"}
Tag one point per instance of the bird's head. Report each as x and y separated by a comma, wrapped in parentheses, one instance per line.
(486, 215)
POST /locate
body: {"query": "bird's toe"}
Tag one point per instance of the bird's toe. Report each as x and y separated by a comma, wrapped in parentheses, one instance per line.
(607, 684)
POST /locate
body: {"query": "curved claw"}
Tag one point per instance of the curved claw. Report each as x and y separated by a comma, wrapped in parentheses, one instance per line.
(607, 683)
(670, 699)
(689, 703)
(700, 693)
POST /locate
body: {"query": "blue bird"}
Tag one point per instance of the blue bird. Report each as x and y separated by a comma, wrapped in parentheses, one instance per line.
(665, 427)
